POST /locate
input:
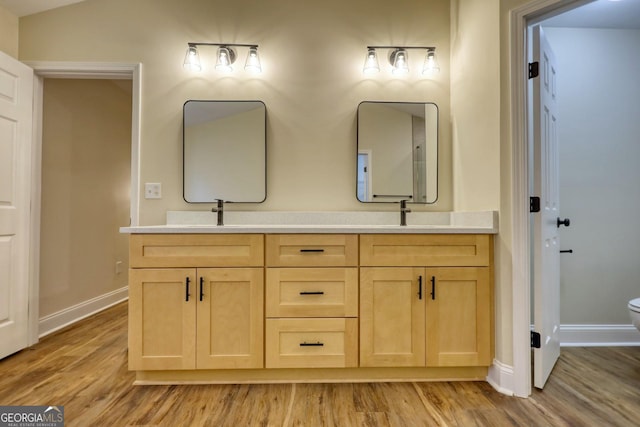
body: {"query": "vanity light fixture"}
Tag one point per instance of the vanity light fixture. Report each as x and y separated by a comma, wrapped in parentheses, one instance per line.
(399, 60)
(225, 57)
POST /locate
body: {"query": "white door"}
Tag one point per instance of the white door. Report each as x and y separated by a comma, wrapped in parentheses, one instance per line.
(16, 100)
(546, 185)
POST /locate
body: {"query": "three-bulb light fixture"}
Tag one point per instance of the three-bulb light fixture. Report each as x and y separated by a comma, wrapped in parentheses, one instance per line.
(399, 60)
(225, 57)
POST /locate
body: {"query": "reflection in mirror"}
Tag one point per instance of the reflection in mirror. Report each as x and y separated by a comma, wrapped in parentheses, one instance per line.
(397, 152)
(224, 147)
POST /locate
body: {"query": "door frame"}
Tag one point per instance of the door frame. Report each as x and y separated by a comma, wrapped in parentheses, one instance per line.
(74, 70)
(520, 18)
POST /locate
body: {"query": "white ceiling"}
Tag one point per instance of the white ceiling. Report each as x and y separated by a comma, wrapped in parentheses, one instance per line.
(619, 14)
(598, 14)
(29, 7)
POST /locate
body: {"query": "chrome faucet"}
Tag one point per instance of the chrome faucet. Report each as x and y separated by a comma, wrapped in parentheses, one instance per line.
(403, 212)
(220, 210)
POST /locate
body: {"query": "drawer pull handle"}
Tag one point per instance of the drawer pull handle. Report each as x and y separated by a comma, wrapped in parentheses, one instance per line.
(311, 344)
(419, 287)
(312, 293)
(311, 250)
(186, 289)
(433, 287)
(201, 288)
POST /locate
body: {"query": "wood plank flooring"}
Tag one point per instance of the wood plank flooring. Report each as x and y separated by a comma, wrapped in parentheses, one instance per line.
(84, 368)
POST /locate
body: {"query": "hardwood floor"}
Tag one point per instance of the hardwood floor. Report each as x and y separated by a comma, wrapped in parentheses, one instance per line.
(84, 368)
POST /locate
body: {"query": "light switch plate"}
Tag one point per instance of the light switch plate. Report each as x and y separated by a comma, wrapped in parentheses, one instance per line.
(153, 190)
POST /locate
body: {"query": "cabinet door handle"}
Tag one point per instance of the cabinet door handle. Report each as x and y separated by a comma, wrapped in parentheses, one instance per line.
(186, 289)
(311, 250)
(433, 287)
(312, 293)
(311, 344)
(201, 288)
(419, 287)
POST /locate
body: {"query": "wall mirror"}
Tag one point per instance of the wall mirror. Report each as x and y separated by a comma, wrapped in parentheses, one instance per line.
(397, 152)
(224, 151)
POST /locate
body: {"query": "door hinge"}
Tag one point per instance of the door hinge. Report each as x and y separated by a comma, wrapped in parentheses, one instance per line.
(535, 339)
(534, 204)
(534, 69)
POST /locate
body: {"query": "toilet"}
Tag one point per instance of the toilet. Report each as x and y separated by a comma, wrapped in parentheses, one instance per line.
(634, 311)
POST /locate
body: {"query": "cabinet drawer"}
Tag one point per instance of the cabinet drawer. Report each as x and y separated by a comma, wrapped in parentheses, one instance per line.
(459, 250)
(191, 250)
(311, 343)
(312, 250)
(312, 292)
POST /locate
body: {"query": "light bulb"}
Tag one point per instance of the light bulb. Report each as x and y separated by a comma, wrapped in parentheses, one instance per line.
(253, 61)
(192, 59)
(371, 65)
(400, 62)
(430, 63)
(225, 59)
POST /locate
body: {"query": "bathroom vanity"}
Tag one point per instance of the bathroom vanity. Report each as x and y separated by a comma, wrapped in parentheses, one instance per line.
(311, 303)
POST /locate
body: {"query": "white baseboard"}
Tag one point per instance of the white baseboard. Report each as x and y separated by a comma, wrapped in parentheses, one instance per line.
(501, 377)
(599, 335)
(66, 317)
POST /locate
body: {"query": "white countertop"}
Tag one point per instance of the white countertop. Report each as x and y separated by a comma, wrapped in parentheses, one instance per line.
(197, 222)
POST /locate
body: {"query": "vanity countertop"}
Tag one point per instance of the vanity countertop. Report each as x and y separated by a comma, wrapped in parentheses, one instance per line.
(324, 223)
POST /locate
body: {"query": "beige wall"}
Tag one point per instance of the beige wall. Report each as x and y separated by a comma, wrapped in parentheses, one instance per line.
(312, 55)
(8, 32)
(86, 166)
(475, 104)
(475, 114)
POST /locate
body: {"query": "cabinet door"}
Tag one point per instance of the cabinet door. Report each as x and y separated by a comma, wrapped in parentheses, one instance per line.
(230, 318)
(392, 323)
(162, 319)
(459, 307)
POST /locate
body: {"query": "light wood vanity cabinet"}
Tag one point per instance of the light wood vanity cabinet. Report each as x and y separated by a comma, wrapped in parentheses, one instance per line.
(413, 312)
(311, 301)
(196, 318)
(223, 307)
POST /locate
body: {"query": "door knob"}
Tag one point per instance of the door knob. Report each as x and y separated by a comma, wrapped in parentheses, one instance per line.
(566, 222)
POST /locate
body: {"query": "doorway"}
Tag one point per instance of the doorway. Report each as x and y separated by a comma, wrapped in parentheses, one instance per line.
(69, 70)
(521, 17)
(363, 186)
(598, 150)
(85, 196)
(599, 105)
